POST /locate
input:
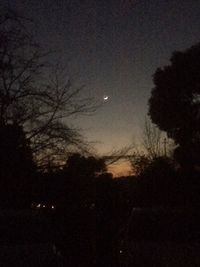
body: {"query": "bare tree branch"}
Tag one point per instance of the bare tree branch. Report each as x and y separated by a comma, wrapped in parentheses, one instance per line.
(31, 98)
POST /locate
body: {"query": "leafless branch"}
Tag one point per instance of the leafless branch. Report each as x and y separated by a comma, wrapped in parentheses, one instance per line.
(39, 102)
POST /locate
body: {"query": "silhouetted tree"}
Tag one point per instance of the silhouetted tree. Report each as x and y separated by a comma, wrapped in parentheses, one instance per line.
(157, 183)
(139, 163)
(17, 168)
(35, 95)
(80, 174)
(85, 166)
(153, 145)
(174, 104)
(154, 141)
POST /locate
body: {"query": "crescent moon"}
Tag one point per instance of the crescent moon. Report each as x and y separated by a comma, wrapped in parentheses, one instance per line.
(105, 98)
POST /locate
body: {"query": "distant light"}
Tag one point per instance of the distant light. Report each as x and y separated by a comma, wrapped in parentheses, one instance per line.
(38, 206)
(52, 207)
(44, 206)
(121, 251)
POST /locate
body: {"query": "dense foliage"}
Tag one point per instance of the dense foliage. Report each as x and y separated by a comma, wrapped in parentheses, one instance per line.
(174, 104)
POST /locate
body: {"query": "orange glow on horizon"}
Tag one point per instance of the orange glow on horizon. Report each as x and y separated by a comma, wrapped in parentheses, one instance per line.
(120, 168)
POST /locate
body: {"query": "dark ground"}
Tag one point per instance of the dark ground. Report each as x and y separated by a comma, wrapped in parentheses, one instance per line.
(50, 239)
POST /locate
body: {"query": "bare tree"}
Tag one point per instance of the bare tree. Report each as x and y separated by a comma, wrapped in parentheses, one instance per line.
(154, 144)
(118, 154)
(152, 140)
(34, 97)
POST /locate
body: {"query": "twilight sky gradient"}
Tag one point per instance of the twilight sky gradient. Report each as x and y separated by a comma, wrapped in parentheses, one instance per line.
(114, 47)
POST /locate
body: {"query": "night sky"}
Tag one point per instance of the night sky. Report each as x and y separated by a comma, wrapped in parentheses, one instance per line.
(113, 47)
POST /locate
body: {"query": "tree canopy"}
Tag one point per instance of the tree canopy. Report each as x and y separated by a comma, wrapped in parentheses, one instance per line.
(84, 166)
(174, 104)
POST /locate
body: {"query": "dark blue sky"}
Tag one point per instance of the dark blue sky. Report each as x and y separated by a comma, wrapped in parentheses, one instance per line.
(114, 47)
